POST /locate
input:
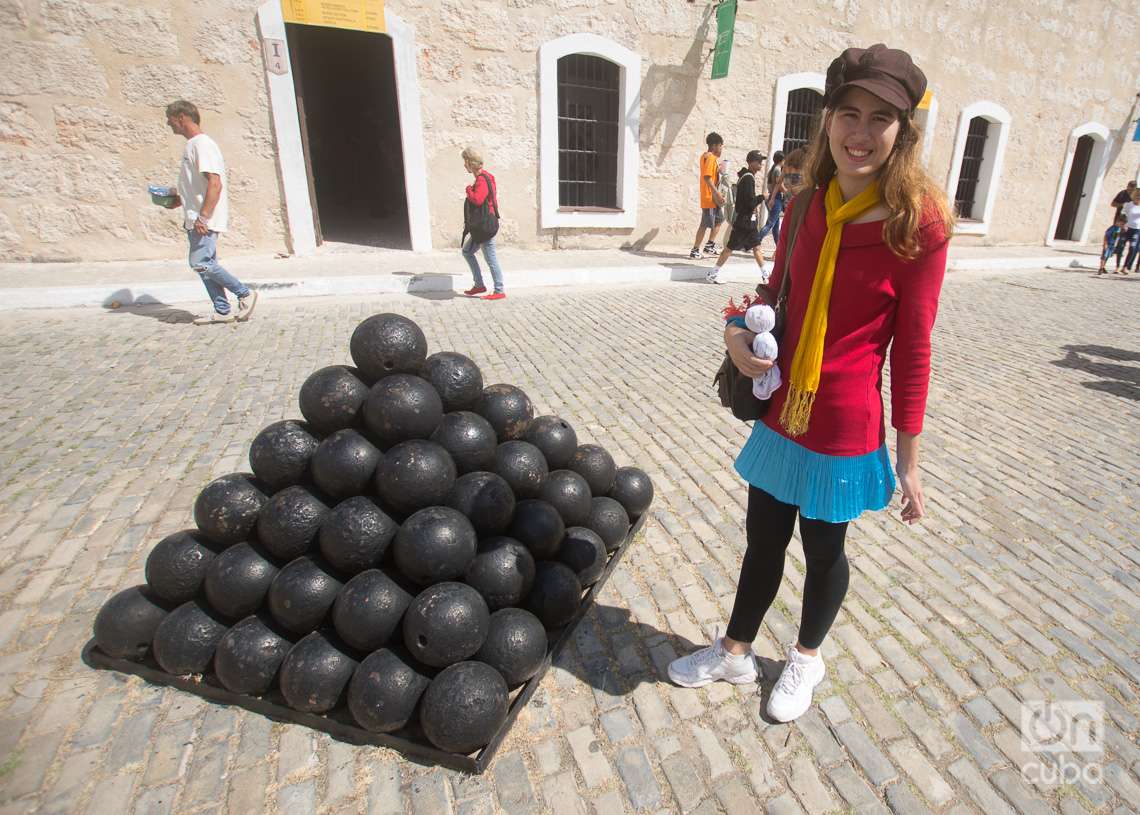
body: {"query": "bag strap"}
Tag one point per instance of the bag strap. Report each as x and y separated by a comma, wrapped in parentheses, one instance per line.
(492, 194)
(800, 205)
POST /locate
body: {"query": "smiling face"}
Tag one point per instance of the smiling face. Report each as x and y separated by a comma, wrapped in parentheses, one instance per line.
(861, 133)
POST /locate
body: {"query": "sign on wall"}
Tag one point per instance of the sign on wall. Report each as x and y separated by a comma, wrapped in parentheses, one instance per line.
(275, 57)
(725, 23)
(358, 15)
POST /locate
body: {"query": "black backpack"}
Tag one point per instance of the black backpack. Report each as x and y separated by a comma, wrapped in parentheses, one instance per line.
(482, 221)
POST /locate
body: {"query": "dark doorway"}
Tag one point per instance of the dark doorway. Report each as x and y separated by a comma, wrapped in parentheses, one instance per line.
(350, 126)
(1074, 190)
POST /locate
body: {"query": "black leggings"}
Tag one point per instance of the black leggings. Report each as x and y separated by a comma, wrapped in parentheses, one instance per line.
(770, 524)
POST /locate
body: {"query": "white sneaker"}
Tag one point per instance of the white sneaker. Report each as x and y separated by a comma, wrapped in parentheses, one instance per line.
(245, 305)
(216, 319)
(791, 697)
(713, 276)
(710, 664)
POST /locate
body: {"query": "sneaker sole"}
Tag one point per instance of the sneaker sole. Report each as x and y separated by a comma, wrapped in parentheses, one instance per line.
(241, 318)
(736, 680)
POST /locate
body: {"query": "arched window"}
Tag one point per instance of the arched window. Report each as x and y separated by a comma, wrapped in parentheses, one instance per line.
(589, 101)
(588, 91)
(979, 152)
(796, 107)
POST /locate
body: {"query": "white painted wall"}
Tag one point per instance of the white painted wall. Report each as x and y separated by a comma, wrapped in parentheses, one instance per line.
(629, 151)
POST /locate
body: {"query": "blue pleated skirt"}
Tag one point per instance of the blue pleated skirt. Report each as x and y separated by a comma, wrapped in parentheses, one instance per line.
(826, 488)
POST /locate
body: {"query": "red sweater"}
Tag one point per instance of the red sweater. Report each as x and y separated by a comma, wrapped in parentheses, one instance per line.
(876, 298)
(477, 192)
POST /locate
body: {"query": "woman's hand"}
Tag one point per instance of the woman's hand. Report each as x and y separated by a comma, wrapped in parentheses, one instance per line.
(910, 482)
(738, 341)
(913, 502)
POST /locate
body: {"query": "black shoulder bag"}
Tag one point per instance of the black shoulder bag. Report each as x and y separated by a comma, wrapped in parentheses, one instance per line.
(482, 221)
(733, 387)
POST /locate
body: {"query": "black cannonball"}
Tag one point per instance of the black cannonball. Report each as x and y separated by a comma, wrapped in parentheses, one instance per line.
(568, 493)
(386, 344)
(539, 527)
(249, 655)
(332, 398)
(177, 565)
(456, 377)
(315, 673)
(555, 438)
(369, 609)
(185, 640)
(502, 571)
(463, 707)
(445, 623)
(633, 489)
(238, 580)
(521, 465)
(355, 534)
(125, 625)
(280, 454)
(413, 475)
(609, 519)
(584, 551)
(289, 522)
(485, 499)
(592, 462)
(301, 595)
(469, 438)
(508, 410)
(385, 690)
(434, 544)
(344, 463)
(515, 645)
(556, 594)
(226, 509)
(402, 407)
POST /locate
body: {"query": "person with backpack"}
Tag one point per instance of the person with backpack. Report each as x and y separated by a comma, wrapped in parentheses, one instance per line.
(744, 236)
(480, 224)
(776, 197)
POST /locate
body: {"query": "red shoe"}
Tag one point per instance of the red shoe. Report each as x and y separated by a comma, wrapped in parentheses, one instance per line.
(499, 295)
(474, 290)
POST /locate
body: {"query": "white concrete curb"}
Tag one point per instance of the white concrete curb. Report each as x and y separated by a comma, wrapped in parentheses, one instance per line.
(190, 291)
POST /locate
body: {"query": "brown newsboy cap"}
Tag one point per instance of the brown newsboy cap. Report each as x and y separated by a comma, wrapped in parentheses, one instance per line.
(888, 73)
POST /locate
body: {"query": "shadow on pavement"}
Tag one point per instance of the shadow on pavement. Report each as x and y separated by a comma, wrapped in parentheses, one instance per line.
(1119, 380)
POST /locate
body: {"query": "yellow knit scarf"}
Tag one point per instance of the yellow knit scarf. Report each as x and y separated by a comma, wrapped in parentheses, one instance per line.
(804, 381)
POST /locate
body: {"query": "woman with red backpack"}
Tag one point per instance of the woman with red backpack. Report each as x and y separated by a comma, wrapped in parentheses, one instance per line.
(480, 224)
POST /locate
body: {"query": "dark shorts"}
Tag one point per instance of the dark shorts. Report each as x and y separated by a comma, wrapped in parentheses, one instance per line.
(744, 239)
(711, 217)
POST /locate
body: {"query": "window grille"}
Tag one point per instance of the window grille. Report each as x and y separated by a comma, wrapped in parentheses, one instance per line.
(971, 172)
(588, 92)
(804, 105)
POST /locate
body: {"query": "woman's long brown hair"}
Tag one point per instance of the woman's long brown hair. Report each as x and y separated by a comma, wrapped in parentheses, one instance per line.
(907, 189)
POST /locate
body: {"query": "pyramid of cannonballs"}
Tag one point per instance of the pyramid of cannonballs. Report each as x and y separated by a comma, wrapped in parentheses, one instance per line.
(404, 550)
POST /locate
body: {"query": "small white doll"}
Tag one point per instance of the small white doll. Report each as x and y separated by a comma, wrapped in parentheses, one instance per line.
(762, 319)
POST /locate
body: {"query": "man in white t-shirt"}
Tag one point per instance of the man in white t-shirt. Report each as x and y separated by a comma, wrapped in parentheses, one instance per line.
(206, 210)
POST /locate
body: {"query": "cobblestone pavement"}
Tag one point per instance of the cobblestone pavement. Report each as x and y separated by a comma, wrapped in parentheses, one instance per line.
(1021, 585)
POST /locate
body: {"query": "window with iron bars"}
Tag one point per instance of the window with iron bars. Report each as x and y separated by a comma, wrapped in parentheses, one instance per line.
(971, 172)
(588, 91)
(804, 105)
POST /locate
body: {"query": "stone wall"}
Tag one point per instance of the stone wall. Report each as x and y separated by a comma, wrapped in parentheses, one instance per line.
(83, 84)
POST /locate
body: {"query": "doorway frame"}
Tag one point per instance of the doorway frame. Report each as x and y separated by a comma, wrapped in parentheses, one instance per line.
(1094, 180)
(302, 236)
(784, 86)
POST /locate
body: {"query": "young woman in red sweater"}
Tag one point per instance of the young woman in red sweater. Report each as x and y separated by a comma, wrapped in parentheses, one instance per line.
(866, 273)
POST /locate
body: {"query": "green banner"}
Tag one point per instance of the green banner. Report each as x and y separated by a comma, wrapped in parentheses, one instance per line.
(725, 22)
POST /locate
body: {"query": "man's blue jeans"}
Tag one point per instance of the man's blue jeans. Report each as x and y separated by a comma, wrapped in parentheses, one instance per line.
(204, 260)
(773, 223)
(469, 250)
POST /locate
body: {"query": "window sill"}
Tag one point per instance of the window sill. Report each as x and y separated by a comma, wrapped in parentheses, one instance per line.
(591, 209)
(965, 227)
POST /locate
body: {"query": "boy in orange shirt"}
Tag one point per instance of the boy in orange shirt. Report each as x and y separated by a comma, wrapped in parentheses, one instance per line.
(711, 200)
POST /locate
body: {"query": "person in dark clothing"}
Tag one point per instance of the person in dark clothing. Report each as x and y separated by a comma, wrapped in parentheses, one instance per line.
(1123, 197)
(744, 236)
